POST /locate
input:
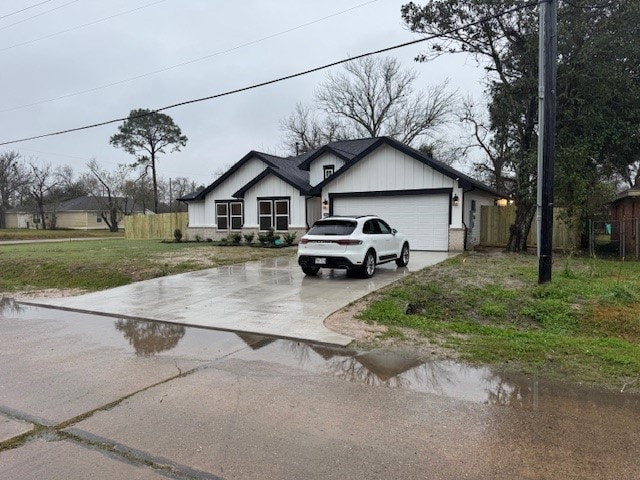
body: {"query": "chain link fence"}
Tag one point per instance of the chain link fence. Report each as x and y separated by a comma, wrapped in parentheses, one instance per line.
(615, 238)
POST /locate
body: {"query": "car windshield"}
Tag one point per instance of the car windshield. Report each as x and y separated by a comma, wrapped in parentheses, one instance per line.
(333, 227)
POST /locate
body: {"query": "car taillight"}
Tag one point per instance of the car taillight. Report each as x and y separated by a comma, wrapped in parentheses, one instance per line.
(304, 241)
(349, 242)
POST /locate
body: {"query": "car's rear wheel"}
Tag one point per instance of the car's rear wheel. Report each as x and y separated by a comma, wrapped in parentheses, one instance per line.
(311, 271)
(369, 265)
(403, 261)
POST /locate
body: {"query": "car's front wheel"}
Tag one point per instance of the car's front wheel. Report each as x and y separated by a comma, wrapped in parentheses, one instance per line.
(311, 271)
(369, 265)
(403, 260)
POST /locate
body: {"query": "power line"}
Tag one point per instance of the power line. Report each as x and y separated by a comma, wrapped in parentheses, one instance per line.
(38, 15)
(78, 27)
(24, 9)
(276, 80)
(188, 62)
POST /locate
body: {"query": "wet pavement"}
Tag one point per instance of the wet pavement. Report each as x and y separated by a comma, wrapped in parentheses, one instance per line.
(106, 398)
(271, 297)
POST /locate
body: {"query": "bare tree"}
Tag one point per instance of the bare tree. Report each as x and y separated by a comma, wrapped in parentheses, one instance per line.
(496, 146)
(305, 132)
(43, 181)
(14, 177)
(69, 186)
(372, 97)
(180, 187)
(107, 188)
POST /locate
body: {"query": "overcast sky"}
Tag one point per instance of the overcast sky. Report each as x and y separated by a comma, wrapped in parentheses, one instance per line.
(40, 65)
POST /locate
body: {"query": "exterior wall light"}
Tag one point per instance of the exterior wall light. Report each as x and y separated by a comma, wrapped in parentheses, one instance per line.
(456, 200)
(325, 203)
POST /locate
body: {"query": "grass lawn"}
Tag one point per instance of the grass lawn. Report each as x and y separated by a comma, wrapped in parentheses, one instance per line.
(29, 234)
(487, 308)
(100, 264)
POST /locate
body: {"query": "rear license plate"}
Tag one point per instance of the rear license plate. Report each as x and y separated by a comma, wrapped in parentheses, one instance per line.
(321, 261)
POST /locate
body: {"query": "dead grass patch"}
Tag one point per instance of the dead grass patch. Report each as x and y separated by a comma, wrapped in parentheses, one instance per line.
(622, 321)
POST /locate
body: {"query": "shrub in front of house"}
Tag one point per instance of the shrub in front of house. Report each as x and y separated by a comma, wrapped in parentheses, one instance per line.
(177, 234)
(234, 238)
(248, 237)
(269, 239)
(289, 238)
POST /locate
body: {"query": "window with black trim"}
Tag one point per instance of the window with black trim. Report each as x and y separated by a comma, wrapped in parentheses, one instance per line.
(328, 170)
(229, 214)
(222, 216)
(273, 213)
(235, 214)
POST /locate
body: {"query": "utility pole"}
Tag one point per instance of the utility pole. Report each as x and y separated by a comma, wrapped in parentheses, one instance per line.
(546, 134)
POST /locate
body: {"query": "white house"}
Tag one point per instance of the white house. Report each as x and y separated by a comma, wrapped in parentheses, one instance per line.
(436, 206)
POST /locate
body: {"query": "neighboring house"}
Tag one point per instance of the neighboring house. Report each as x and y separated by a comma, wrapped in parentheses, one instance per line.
(436, 206)
(82, 213)
(625, 222)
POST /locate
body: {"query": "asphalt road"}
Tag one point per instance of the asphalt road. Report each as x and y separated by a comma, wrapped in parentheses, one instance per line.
(85, 396)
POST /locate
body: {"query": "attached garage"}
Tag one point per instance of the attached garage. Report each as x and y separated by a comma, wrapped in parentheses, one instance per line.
(427, 200)
(423, 216)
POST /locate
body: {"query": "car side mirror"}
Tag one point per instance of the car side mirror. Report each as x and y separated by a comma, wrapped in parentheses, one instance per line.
(394, 231)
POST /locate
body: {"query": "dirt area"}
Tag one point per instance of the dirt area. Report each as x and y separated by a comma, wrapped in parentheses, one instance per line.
(344, 321)
(43, 293)
(219, 256)
(368, 336)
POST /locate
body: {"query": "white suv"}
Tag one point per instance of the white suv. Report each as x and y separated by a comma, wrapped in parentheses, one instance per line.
(356, 244)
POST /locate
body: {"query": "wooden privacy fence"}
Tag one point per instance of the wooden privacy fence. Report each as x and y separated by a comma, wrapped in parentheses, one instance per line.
(154, 227)
(495, 222)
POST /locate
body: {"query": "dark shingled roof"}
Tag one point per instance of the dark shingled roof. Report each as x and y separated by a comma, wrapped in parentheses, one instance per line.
(295, 170)
(287, 170)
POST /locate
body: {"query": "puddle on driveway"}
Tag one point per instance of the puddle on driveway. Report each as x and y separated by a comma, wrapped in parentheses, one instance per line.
(376, 368)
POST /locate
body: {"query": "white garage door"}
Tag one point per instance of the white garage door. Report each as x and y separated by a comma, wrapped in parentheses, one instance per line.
(424, 219)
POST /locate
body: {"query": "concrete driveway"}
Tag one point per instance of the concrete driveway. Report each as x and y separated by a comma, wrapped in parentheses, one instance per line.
(271, 297)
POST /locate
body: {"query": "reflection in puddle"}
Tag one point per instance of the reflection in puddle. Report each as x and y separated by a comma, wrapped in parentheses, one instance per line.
(9, 305)
(255, 342)
(409, 370)
(149, 338)
(375, 368)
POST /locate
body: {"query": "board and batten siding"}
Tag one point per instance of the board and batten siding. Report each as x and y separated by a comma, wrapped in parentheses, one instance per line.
(197, 214)
(204, 213)
(388, 169)
(272, 186)
(316, 169)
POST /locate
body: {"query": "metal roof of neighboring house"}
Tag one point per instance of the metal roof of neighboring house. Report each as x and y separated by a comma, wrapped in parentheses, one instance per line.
(94, 204)
(629, 193)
